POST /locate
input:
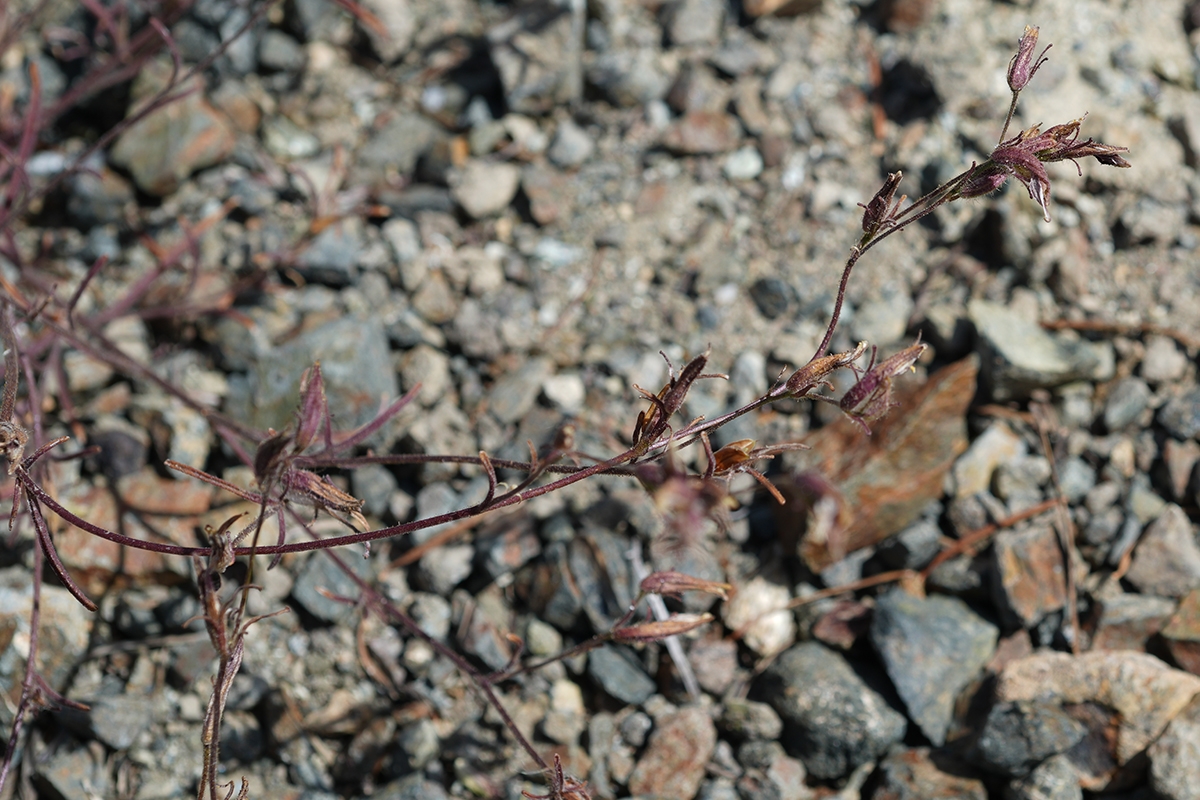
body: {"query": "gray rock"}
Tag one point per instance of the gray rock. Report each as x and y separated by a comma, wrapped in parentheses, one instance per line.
(1018, 736)
(400, 19)
(537, 58)
(973, 470)
(118, 720)
(571, 146)
(286, 140)
(1018, 356)
(1166, 561)
(418, 743)
(279, 52)
(1053, 779)
(484, 188)
(833, 721)
(73, 774)
(932, 648)
(412, 787)
(913, 547)
(395, 148)
(100, 197)
(321, 573)
(514, 395)
(173, 142)
(1163, 360)
(743, 164)
(630, 77)
(1125, 403)
(618, 672)
(772, 296)
(332, 257)
(1175, 756)
(695, 22)
(1076, 477)
(445, 567)
(241, 736)
(62, 642)
(748, 719)
(1181, 415)
(770, 773)
(354, 363)
(431, 612)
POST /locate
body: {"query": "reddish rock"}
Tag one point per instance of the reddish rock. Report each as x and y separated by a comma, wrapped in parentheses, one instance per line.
(913, 774)
(1030, 578)
(1127, 621)
(881, 483)
(549, 193)
(703, 133)
(672, 767)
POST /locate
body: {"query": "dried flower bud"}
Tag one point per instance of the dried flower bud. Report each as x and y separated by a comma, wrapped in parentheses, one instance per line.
(871, 397)
(309, 488)
(878, 213)
(314, 409)
(657, 631)
(1023, 66)
(674, 584)
(813, 374)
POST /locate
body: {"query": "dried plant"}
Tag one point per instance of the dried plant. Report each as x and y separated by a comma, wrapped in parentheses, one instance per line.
(287, 465)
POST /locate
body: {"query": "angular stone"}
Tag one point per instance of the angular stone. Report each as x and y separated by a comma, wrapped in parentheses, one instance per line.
(537, 59)
(617, 672)
(549, 192)
(833, 721)
(1166, 561)
(932, 648)
(63, 632)
(1018, 356)
(1127, 621)
(171, 143)
(1053, 779)
(884, 482)
(1018, 736)
(1175, 756)
(917, 774)
(1182, 633)
(1181, 415)
(672, 767)
(995, 446)
(692, 22)
(1134, 695)
(759, 610)
(703, 133)
(1030, 580)
(484, 188)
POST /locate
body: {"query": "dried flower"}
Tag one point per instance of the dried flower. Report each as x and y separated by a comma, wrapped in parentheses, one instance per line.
(648, 632)
(813, 374)
(1023, 66)
(880, 212)
(674, 584)
(871, 397)
(1022, 157)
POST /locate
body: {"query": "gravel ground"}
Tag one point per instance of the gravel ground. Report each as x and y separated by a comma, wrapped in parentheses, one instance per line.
(519, 206)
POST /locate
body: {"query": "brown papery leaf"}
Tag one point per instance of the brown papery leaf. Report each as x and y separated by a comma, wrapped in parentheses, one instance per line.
(881, 482)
